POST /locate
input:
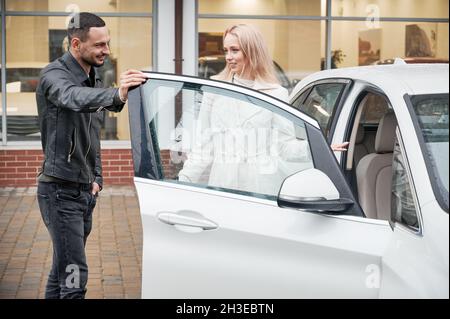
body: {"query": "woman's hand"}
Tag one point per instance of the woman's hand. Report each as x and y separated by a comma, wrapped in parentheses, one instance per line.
(342, 147)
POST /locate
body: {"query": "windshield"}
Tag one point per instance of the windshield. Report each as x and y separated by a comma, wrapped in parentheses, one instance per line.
(432, 116)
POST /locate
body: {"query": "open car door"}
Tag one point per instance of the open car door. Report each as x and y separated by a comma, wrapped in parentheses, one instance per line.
(241, 197)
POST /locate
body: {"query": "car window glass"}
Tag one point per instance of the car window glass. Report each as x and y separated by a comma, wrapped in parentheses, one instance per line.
(403, 209)
(432, 115)
(321, 102)
(214, 138)
(297, 103)
(375, 106)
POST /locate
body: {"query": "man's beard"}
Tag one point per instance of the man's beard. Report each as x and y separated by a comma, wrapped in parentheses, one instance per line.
(92, 62)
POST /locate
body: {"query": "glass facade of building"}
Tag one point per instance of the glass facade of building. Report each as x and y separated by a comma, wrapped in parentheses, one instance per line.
(304, 36)
(35, 34)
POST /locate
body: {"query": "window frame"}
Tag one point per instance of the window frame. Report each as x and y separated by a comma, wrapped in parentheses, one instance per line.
(181, 86)
(394, 223)
(434, 180)
(339, 103)
(142, 140)
(138, 120)
(366, 89)
(5, 138)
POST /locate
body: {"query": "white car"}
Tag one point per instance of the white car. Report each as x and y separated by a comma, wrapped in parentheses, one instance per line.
(372, 224)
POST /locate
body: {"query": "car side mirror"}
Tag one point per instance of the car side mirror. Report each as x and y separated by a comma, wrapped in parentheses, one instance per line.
(313, 191)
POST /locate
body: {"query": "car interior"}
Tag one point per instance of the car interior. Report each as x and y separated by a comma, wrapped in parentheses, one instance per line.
(368, 162)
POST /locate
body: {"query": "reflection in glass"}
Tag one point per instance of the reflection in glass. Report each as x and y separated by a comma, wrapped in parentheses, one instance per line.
(432, 115)
(222, 140)
(140, 6)
(45, 40)
(403, 209)
(382, 8)
(375, 107)
(321, 102)
(281, 7)
(416, 42)
(296, 46)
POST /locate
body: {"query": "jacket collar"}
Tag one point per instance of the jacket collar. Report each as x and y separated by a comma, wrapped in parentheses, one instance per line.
(76, 69)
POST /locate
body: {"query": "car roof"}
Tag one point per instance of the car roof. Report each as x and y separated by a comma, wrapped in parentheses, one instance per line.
(411, 78)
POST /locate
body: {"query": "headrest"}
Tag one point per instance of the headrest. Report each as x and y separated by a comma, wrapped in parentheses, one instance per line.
(384, 142)
(360, 134)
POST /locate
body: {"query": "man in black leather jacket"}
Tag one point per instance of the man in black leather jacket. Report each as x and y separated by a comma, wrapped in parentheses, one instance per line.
(70, 98)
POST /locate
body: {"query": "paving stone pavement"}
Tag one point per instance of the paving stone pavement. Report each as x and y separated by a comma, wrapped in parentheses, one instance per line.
(114, 247)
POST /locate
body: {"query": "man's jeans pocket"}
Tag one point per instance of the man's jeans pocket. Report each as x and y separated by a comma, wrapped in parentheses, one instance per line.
(44, 206)
(68, 193)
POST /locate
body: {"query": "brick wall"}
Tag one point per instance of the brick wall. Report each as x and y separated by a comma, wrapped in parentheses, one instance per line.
(20, 167)
(170, 169)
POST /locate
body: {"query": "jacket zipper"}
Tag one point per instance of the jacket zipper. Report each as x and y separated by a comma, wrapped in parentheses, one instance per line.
(73, 145)
(89, 137)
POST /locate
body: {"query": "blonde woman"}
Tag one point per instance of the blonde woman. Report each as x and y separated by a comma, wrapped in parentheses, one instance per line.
(238, 165)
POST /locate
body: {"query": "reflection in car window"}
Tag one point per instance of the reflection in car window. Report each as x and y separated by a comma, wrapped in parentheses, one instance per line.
(431, 112)
(321, 102)
(224, 140)
(402, 203)
(298, 101)
(375, 106)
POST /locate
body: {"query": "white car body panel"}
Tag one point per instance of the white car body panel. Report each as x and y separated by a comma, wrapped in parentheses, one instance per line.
(411, 79)
(429, 254)
(260, 250)
(394, 84)
(264, 243)
(423, 260)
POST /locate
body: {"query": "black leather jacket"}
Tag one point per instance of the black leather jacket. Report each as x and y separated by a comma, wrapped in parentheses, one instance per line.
(69, 105)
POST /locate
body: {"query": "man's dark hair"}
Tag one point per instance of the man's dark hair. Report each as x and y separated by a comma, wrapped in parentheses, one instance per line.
(80, 24)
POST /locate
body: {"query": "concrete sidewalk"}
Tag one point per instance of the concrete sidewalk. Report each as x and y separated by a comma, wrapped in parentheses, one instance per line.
(114, 247)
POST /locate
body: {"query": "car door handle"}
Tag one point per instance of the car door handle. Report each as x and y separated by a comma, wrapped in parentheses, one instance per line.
(187, 218)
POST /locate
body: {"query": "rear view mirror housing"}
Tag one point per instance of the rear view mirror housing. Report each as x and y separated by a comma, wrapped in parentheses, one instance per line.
(313, 191)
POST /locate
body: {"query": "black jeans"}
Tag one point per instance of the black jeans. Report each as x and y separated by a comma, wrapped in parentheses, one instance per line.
(67, 213)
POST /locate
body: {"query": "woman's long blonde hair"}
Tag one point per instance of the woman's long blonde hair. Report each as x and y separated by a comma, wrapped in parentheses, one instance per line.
(255, 51)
